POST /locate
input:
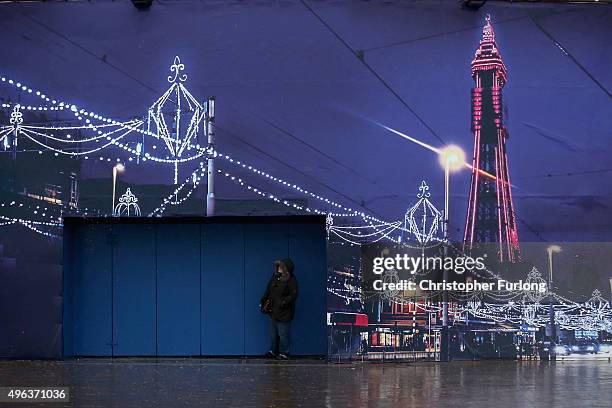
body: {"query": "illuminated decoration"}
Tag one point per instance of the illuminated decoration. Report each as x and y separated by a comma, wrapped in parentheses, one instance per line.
(16, 116)
(354, 235)
(348, 290)
(512, 307)
(347, 295)
(390, 276)
(374, 229)
(284, 183)
(4, 137)
(526, 307)
(275, 198)
(142, 138)
(490, 213)
(592, 315)
(9, 222)
(43, 219)
(177, 128)
(36, 211)
(369, 233)
(178, 117)
(36, 226)
(34, 108)
(74, 146)
(345, 284)
(534, 276)
(30, 222)
(15, 120)
(329, 223)
(423, 219)
(127, 205)
(61, 139)
(177, 67)
(172, 199)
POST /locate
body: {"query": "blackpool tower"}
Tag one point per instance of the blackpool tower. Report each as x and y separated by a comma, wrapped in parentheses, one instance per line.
(490, 214)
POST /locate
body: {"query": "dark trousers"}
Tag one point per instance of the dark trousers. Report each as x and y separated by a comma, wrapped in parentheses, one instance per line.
(279, 336)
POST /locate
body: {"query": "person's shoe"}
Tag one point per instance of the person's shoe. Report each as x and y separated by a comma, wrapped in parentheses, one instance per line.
(270, 354)
(282, 356)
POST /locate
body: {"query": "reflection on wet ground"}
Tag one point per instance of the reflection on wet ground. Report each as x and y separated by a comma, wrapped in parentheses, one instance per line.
(136, 382)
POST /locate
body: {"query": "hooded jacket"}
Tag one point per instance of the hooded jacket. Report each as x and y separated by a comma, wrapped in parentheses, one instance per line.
(282, 294)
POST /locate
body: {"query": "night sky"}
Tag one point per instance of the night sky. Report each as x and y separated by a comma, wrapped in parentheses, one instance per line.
(298, 85)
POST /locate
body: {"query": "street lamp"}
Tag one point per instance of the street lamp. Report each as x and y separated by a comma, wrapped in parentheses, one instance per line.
(552, 249)
(452, 158)
(117, 168)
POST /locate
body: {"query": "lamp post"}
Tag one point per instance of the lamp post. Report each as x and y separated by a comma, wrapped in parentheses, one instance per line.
(452, 159)
(210, 129)
(552, 249)
(117, 168)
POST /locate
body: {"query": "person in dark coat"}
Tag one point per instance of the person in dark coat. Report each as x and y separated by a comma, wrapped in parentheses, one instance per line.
(279, 302)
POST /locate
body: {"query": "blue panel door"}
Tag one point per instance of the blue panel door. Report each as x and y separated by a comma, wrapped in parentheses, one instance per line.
(91, 290)
(307, 249)
(264, 243)
(222, 289)
(178, 289)
(134, 273)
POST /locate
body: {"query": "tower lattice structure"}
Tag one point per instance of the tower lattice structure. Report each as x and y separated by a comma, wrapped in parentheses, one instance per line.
(490, 214)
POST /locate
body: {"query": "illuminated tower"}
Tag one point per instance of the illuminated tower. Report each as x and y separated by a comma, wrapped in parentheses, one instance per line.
(490, 215)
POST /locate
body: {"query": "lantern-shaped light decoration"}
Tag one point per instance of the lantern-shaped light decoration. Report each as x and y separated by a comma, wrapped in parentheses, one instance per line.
(423, 219)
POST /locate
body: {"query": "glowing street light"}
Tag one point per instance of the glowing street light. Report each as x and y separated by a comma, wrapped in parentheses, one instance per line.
(552, 249)
(452, 158)
(117, 168)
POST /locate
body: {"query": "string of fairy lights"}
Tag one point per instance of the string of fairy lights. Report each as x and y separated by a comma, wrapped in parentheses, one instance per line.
(193, 181)
(155, 126)
(101, 131)
(35, 226)
(519, 308)
(422, 221)
(273, 197)
(169, 134)
(176, 145)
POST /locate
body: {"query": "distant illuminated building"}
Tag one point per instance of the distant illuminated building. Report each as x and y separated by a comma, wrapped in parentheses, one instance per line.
(490, 215)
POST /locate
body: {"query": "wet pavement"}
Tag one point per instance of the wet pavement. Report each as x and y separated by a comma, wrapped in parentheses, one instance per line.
(139, 382)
